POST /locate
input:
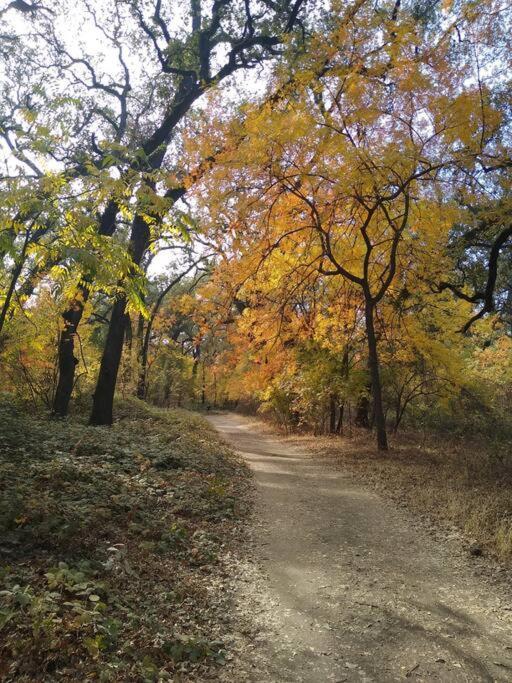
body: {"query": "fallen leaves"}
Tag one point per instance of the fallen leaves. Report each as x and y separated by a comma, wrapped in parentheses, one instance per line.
(116, 542)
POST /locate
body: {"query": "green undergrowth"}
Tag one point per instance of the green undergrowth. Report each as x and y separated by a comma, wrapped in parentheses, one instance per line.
(113, 545)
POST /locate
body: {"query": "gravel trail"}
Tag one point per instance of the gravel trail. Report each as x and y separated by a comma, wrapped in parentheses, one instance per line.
(347, 587)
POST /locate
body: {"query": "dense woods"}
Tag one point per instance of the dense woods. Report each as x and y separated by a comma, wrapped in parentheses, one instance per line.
(296, 208)
(334, 248)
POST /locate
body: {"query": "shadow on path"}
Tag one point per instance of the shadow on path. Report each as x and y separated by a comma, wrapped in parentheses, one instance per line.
(352, 589)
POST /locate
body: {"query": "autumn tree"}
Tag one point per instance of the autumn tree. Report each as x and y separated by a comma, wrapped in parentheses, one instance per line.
(131, 111)
(352, 174)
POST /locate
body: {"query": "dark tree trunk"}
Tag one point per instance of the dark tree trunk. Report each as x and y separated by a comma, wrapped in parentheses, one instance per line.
(191, 87)
(10, 291)
(362, 409)
(18, 267)
(339, 426)
(373, 362)
(143, 346)
(103, 399)
(128, 332)
(142, 388)
(72, 317)
(332, 414)
(142, 385)
(67, 358)
(104, 395)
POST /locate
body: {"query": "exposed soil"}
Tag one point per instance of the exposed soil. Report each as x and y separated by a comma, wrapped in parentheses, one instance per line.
(345, 586)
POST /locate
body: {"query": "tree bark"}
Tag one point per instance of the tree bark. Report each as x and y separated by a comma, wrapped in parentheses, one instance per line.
(67, 359)
(72, 317)
(332, 414)
(362, 409)
(203, 386)
(143, 345)
(373, 362)
(339, 425)
(103, 399)
(18, 267)
(10, 291)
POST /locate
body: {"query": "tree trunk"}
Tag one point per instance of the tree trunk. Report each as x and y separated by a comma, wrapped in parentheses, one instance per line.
(397, 416)
(66, 352)
(167, 385)
(103, 400)
(143, 345)
(363, 406)
(18, 267)
(142, 383)
(196, 354)
(373, 362)
(72, 317)
(332, 414)
(339, 426)
(10, 291)
(128, 332)
(144, 337)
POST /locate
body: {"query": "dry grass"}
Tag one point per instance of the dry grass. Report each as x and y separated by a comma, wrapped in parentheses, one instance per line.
(454, 482)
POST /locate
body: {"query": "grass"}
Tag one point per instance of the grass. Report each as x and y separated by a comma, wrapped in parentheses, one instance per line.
(113, 546)
(457, 482)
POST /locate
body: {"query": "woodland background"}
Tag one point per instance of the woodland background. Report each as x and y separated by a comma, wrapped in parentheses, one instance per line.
(294, 207)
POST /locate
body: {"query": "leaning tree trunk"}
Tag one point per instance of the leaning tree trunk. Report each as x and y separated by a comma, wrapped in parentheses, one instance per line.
(144, 337)
(72, 317)
(10, 292)
(18, 267)
(373, 362)
(103, 399)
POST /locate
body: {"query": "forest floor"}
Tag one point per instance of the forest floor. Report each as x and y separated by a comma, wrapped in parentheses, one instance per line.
(344, 585)
(116, 546)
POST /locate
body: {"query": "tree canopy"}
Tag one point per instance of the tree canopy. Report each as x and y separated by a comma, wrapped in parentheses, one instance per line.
(328, 184)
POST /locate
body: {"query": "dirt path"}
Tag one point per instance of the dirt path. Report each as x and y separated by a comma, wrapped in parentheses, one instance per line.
(346, 587)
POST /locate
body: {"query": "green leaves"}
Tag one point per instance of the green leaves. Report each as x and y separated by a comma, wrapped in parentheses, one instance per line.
(115, 530)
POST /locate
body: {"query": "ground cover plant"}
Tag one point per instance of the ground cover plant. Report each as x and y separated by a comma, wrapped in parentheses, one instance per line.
(112, 546)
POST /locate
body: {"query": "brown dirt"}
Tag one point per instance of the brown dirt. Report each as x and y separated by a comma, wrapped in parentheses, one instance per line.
(344, 586)
(460, 486)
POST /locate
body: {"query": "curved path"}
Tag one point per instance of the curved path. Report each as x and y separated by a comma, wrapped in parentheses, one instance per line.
(351, 588)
